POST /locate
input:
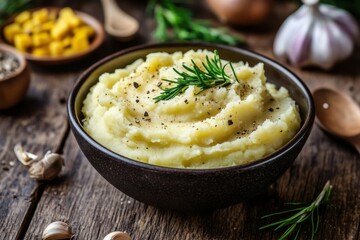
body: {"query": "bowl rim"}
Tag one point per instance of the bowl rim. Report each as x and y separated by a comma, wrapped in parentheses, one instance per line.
(87, 18)
(22, 61)
(305, 127)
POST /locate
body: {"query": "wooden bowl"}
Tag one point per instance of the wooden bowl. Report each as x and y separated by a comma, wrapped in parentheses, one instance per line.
(14, 86)
(95, 43)
(190, 189)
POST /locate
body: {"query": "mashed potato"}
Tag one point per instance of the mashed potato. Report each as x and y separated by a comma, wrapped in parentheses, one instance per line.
(221, 126)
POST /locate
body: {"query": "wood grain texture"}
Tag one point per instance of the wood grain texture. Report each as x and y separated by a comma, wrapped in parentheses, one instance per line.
(39, 123)
(93, 208)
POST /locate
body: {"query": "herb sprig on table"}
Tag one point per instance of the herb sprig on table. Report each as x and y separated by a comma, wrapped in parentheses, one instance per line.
(302, 214)
(213, 75)
(177, 23)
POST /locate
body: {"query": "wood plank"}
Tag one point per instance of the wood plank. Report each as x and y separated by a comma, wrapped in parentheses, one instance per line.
(39, 123)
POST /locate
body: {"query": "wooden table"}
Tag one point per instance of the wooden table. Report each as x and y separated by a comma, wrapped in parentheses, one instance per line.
(93, 207)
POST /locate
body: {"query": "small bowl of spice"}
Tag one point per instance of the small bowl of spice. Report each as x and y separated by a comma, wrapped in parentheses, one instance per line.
(14, 76)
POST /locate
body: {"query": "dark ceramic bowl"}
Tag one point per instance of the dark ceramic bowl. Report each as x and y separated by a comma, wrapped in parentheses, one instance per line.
(190, 189)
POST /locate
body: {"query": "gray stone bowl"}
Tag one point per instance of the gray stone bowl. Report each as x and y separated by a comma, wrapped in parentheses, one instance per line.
(190, 189)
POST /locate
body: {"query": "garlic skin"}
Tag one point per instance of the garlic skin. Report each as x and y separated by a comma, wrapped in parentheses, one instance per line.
(56, 231)
(24, 157)
(316, 34)
(46, 168)
(117, 236)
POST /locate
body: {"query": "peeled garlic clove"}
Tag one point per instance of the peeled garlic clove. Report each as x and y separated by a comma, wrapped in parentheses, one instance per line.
(57, 231)
(117, 236)
(47, 168)
(316, 34)
(24, 157)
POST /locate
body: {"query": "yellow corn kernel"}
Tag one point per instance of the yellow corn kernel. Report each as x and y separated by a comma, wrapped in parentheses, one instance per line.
(89, 31)
(40, 51)
(69, 51)
(56, 48)
(10, 31)
(66, 12)
(47, 26)
(22, 41)
(22, 17)
(28, 26)
(40, 16)
(66, 42)
(79, 43)
(60, 29)
(74, 21)
(68, 15)
(40, 39)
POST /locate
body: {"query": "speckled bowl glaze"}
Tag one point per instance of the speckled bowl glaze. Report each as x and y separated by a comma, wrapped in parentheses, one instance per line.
(190, 189)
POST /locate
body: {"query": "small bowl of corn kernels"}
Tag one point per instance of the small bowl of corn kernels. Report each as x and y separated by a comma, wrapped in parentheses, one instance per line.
(51, 35)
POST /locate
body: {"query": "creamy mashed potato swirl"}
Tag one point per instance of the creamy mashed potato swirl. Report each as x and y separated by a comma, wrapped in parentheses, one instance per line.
(222, 126)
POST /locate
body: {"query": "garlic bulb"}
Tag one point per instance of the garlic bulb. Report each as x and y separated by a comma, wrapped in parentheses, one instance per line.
(316, 34)
(56, 231)
(46, 168)
(117, 236)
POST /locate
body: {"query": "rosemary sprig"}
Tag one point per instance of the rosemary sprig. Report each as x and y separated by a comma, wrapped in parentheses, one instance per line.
(213, 75)
(301, 215)
(177, 23)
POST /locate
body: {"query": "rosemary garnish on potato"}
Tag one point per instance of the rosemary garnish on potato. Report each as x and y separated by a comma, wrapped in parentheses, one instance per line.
(213, 75)
(302, 214)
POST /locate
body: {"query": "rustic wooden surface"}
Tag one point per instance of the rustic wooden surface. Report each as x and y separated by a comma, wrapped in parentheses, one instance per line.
(81, 197)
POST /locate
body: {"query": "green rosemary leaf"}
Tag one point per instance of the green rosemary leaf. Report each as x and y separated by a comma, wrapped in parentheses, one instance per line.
(302, 214)
(177, 23)
(213, 75)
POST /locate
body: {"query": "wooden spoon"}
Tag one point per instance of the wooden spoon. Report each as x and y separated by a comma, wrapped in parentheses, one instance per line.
(118, 23)
(338, 114)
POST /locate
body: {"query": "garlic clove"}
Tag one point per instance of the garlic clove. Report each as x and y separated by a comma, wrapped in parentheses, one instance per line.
(117, 236)
(57, 231)
(321, 48)
(287, 32)
(343, 46)
(341, 18)
(329, 45)
(299, 46)
(47, 168)
(24, 157)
